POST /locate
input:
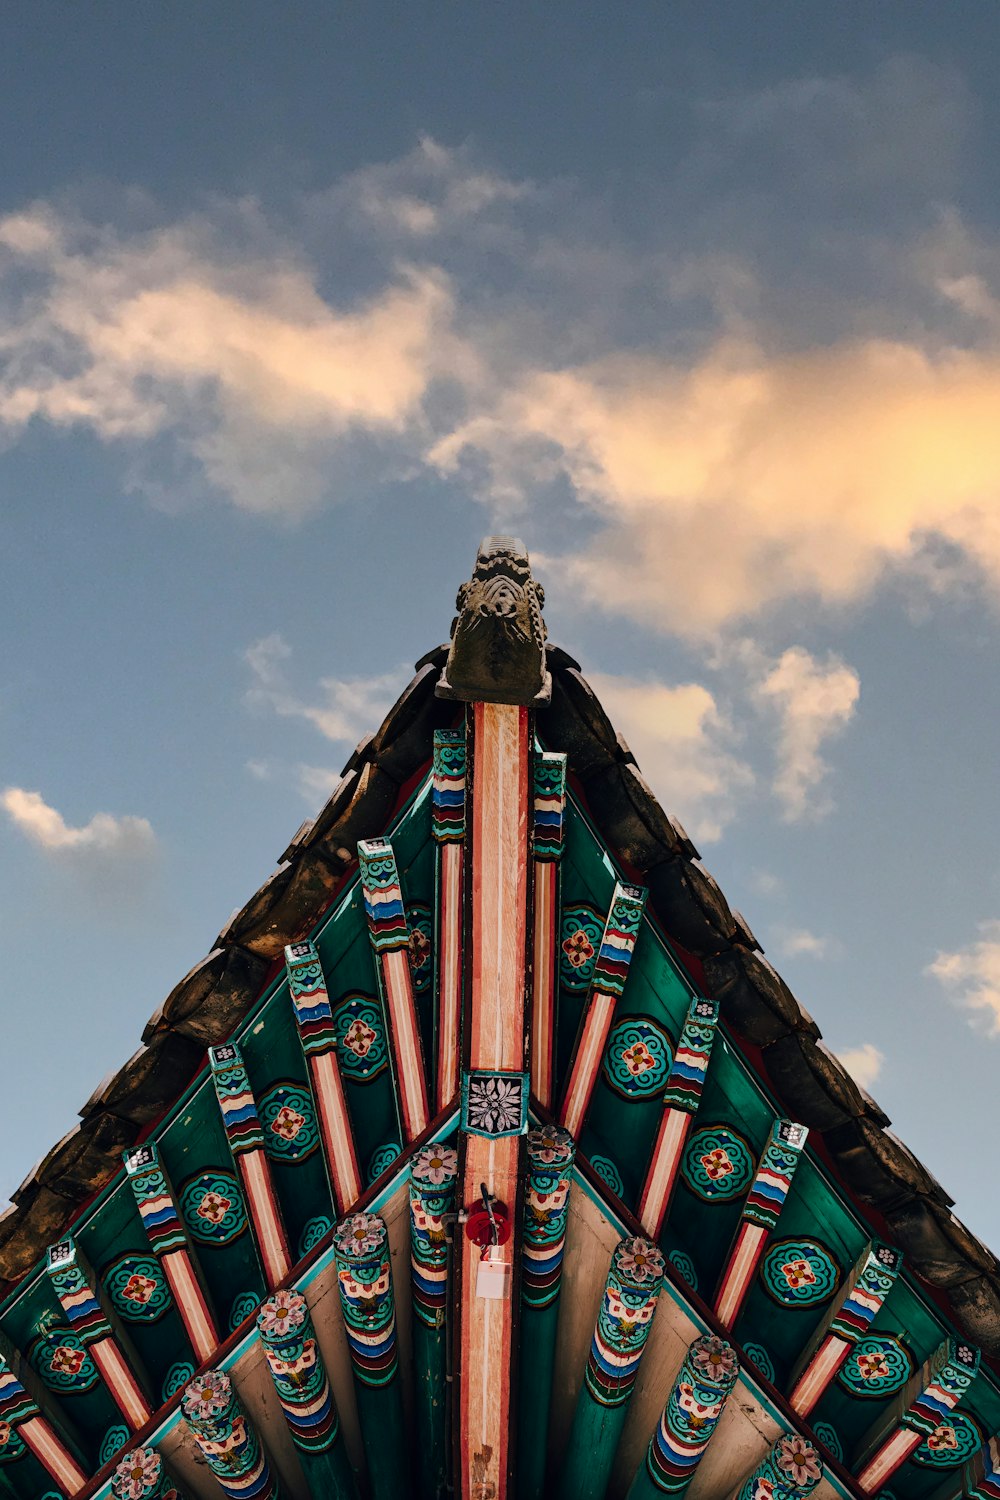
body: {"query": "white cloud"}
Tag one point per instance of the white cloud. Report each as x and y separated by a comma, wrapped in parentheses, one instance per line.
(44, 826)
(681, 741)
(766, 883)
(345, 708)
(972, 974)
(864, 1063)
(717, 471)
(238, 358)
(726, 485)
(813, 701)
(431, 190)
(800, 942)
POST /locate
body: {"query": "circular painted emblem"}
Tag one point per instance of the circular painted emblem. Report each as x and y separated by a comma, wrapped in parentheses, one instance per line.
(579, 942)
(799, 1273)
(313, 1232)
(954, 1441)
(362, 1049)
(382, 1158)
(877, 1366)
(137, 1288)
(176, 1378)
(288, 1121)
(421, 925)
(61, 1359)
(718, 1164)
(637, 1058)
(609, 1174)
(212, 1206)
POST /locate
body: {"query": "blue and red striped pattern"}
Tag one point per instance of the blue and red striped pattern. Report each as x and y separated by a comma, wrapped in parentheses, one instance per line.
(551, 1153)
(364, 1279)
(624, 1320)
(947, 1376)
(707, 1377)
(549, 805)
(433, 1183)
(310, 1001)
(872, 1284)
(448, 786)
(775, 1171)
(618, 943)
(236, 1101)
(387, 924)
(298, 1372)
(16, 1406)
(77, 1297)
(689, 1069)
(227, 1438)
(154, 1199)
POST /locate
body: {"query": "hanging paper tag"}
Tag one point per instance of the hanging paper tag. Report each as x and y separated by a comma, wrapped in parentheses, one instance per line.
(492, 1277)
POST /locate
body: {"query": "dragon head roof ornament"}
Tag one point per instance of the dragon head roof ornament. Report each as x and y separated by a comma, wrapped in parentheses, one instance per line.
(497, 652)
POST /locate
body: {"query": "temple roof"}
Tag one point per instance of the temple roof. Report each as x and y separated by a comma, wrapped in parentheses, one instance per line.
(600, 890)
(220, 989)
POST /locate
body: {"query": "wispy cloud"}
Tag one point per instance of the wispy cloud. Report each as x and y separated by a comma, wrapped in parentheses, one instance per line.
(119, 837)
(344, 708)
(813, 701)
(972, 974)
(683, 744)
(824, 470)
(341, 709)
(432, 190)
(681, 409)
(796, 942)
(864, 1063)
(241, 361)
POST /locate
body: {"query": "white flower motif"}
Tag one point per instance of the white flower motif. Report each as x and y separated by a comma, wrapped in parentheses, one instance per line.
(639, 1260)
(137, 1474)
(359, 1234)
(207, 1395)
(713, 1357)
(800, 1460)
(495, 1104)
(434, 1164)
(550, 1144)
(284, 1310)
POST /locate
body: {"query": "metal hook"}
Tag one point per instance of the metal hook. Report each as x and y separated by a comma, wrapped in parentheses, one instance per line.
(488, 1205)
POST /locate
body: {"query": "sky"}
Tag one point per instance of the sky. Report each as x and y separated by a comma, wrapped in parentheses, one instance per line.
(702, 301)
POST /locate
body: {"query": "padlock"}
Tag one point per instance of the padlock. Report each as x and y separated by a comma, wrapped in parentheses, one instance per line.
(492, 1276)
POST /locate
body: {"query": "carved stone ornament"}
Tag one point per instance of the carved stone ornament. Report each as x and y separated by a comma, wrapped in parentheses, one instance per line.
(497, 652)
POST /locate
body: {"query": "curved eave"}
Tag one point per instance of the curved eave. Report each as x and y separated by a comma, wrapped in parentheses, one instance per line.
(900, 1197)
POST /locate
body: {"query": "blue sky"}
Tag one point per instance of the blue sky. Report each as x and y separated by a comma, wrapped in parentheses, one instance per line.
(703, 301)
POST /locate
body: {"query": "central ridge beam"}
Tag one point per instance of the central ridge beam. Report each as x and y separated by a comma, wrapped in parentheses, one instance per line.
(494, 1088)
(496, 663)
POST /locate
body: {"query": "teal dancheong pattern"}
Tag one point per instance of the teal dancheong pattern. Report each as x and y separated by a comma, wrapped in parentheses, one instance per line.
(799, 1273)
